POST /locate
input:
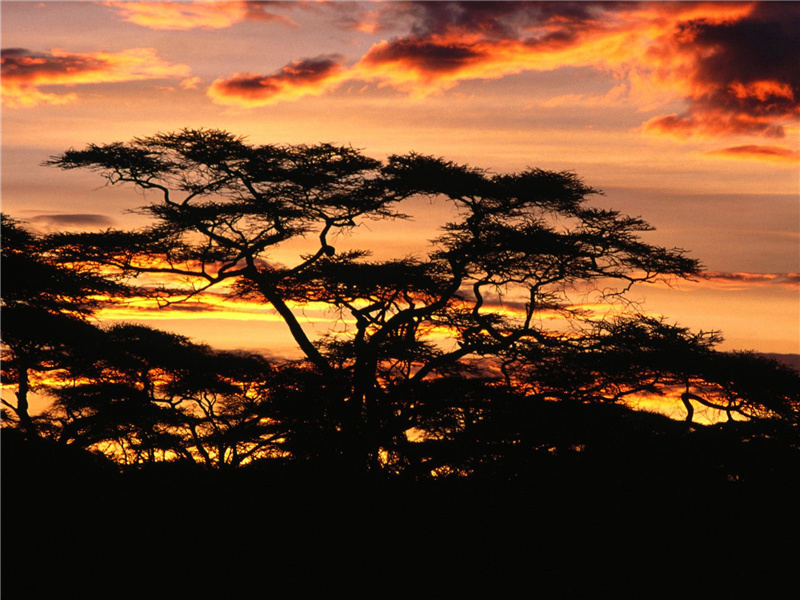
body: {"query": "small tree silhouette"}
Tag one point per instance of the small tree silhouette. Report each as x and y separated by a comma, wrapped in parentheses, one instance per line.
(46, 306)
(147, 394)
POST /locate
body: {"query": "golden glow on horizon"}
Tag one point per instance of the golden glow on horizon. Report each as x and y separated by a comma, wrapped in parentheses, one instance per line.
(670, 405)
(667, 403)
(217, 306)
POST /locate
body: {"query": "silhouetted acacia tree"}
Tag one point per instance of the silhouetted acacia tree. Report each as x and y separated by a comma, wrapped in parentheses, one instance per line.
(129, 391)
(630, 356)
(46, 304)
(221, 207)
(148, 395)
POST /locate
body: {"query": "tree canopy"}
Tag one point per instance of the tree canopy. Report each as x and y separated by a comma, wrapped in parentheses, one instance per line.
(502, 314)
(46, 302)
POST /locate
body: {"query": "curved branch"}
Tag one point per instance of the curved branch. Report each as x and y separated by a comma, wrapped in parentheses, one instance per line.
(297, 331)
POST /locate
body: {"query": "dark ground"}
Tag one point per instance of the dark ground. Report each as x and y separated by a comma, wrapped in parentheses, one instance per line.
(74, 527)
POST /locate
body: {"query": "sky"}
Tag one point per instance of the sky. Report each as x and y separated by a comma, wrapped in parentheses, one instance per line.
(686, 114)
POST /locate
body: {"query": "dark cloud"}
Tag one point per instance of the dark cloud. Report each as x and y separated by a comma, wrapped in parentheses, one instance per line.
(194, 307)
(746, 77)
(298, 78)
(498, 20)
(735, 64)
(72, 220)
(25, 72)
(744, 72)
(436, 27)
(763, 46)
(185, 307)
(22, 64)
(426, 56)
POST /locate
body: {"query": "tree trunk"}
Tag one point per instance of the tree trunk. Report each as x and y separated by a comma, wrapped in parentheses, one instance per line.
(23, 387)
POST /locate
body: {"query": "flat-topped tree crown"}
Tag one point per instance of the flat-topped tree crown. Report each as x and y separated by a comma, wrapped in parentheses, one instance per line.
(244, 198)
(221, 206)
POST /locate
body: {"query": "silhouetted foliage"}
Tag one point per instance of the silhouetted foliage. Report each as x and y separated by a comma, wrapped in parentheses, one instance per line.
(487, 356)
(46, 303)
(150, 396)
(222, 205)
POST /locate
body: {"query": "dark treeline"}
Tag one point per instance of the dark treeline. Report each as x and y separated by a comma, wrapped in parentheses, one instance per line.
(523, 403)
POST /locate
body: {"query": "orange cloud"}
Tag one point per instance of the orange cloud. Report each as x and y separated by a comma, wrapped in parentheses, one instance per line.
(191, 83)
(733, 64)
(193, 15)
(439, 61)
(739, 76)
(763, 90)
(454, 41)
(311, 76)
(369, 22)
(776, 154)
(713, 123)
(25, 73)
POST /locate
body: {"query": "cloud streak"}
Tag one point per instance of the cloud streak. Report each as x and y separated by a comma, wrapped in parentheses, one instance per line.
(738, 280)
(60, 222)
(25, 73)
(775, 154)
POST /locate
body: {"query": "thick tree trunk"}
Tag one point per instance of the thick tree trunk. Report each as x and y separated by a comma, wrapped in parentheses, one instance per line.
(365, 415)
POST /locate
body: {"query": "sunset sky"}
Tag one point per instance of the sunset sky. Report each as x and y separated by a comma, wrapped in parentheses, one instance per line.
(685, 114)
